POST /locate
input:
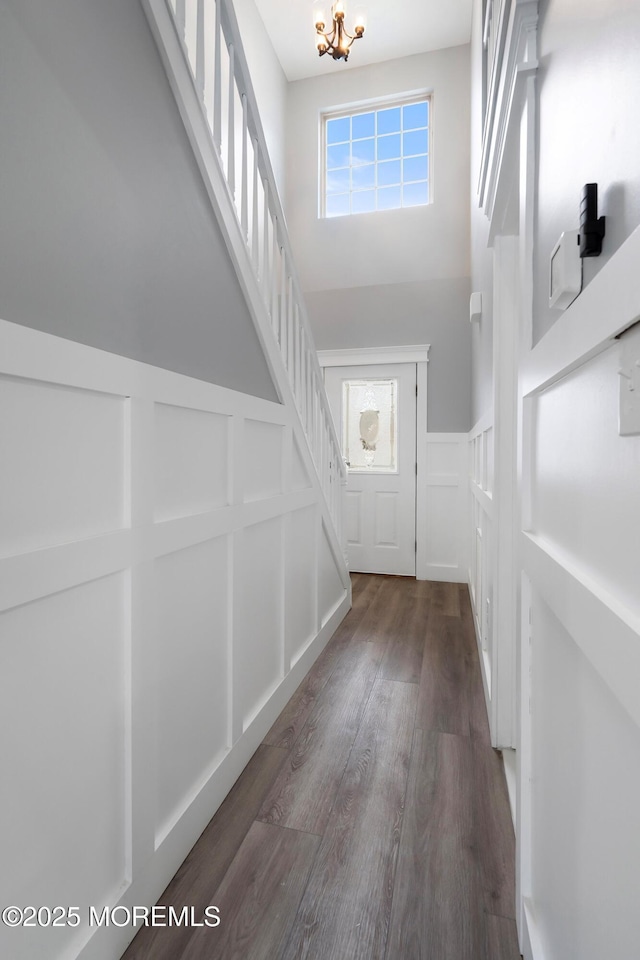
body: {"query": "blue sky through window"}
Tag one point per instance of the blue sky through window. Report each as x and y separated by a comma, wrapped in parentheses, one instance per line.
(377, 160)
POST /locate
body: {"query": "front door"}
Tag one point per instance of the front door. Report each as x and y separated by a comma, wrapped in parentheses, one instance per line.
(374, 409)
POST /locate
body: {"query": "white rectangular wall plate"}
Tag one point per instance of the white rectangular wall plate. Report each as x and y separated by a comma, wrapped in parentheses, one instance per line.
(565, 271)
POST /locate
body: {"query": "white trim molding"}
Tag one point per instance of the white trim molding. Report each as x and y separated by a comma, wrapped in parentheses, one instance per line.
(515, 61)
(531, 940)
(565, 595)
(609, 305)
(442, 508)
(168, 558)
(361, 356)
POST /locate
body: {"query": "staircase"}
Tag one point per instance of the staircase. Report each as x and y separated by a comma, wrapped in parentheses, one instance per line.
(199, 41)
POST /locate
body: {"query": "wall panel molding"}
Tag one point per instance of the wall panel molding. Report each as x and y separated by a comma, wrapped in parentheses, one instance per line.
(442, 489)
(205, 638)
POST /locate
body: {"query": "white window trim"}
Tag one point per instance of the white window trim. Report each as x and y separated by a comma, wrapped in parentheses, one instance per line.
(352, 110)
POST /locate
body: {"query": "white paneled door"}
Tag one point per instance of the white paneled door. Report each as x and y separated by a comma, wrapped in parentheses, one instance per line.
(374, 408)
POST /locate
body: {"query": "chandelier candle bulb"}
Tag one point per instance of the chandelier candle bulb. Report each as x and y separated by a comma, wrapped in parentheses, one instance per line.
(338, 40)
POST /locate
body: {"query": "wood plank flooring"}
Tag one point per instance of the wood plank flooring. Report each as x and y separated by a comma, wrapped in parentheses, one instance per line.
(373, 823)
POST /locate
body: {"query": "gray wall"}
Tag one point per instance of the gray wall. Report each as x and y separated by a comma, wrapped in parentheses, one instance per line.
(378, 315)
(269, 84)
(398, 276)
(588, 83)
(107, 236)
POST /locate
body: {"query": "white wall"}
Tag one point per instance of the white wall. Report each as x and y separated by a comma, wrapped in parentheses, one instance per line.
(167, 580)
(585, 515)
(577, 496)
(481, 255)
(445, 554)
(589, 76)
(400, 276)
(584, 505)
(107, 234)
(269, 84)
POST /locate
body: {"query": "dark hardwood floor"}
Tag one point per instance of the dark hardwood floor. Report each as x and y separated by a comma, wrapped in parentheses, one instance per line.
(373, 822)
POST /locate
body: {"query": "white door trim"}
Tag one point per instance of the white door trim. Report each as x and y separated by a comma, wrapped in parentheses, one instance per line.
(408, 376)
(418, 354)
(357, 356)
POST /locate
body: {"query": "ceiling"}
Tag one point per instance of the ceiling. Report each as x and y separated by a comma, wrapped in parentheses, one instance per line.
(393, 29)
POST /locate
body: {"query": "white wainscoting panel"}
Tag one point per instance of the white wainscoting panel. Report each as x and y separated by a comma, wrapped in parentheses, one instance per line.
(63, 699)
(299, 473)
(580, 641)
(168, 574)
(576, 440)
(258, 655)
(191, 462)
(69, 447)
(353, 516)
(585, 814)
(191, 654)
(481, 556)
(445, 491)
(329, 582)
(301, 587)
(262, 460)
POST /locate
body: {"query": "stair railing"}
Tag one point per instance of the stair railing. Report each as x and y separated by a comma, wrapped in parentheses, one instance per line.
(210, 38)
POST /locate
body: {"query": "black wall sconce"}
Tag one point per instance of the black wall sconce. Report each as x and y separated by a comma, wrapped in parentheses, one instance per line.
(592, 228)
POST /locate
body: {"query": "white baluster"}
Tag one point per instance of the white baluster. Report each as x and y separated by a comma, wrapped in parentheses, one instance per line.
(316, 428)
(266, 220)
(181, 17)
(244, 196)
(217, 82)
(296, 356)
(310, 395)
(255, 232)
(200, 50)
(283, 305)
(231, 129)
(303, 376)
(290, 333)
(275, 276)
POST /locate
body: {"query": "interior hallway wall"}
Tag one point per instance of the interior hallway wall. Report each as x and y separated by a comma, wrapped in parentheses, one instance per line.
(269, 85)
(397, 276)
(481, 255)
(588, 83)
(108, 237)
(583, 853)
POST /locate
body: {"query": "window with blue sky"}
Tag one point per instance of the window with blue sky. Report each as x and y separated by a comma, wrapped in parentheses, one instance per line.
(377, 159)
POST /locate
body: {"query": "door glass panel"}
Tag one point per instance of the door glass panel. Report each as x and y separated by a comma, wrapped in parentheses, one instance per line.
(370, 424)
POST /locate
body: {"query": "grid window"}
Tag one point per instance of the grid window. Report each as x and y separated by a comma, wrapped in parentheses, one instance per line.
(377, 159)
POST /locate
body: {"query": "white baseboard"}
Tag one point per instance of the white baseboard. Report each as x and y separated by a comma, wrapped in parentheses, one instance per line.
(530, 940)
(509, 760)
(444, 573)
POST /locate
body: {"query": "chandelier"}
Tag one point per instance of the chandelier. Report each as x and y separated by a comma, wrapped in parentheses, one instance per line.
(338, 42)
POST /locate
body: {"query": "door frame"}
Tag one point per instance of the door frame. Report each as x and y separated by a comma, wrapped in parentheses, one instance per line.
(412, 353)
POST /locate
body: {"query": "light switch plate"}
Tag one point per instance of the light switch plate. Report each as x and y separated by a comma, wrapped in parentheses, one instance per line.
(630, 383)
